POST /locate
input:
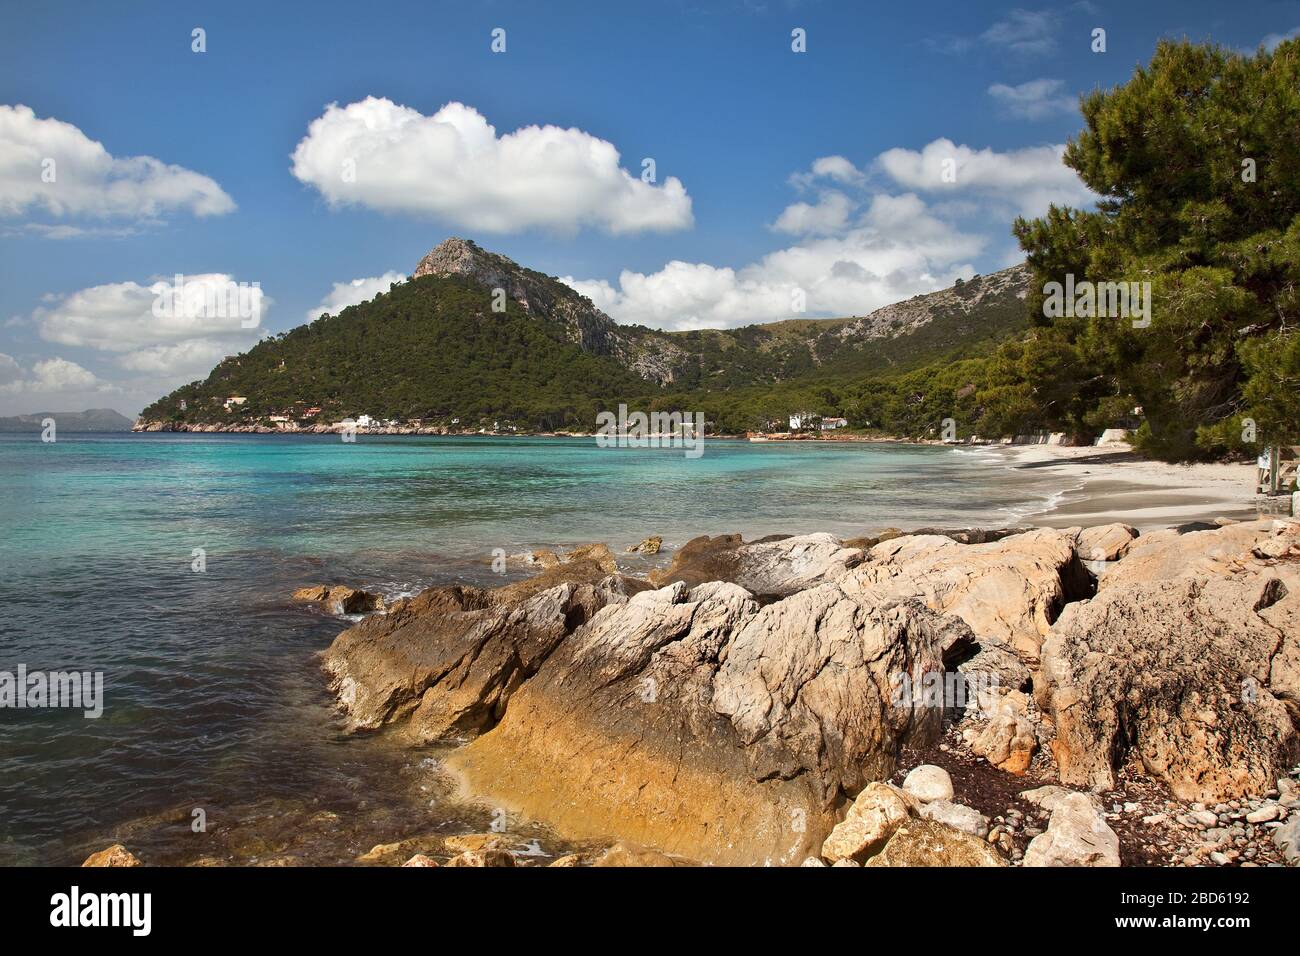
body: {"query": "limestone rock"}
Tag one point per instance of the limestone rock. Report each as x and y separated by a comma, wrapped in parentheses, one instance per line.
(447, 664)
(921, 842)
(1190, 701)
(341, 599)
(115, 855)
(650, 545)
(699, 723)
(1287, 839)
(928, 782)
(878, 811)
(1108, 542)
(483, 858)
(1009, 591)
(1077, 835)
(958, 816)
(1008, 739)
(630, 854)
(421, 860)
(777, 567)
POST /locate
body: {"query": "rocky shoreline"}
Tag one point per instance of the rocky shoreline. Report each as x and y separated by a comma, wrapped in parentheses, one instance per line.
(747, 704)
(1018, 697)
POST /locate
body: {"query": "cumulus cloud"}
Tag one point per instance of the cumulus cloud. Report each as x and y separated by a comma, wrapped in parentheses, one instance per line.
(51, 167)
(47, 376)
(835, 168)
(1034, 100)
(860, 248)
(829, 215)
(1026, 179)
(164, 328)
(453, 166)
(896, 250)
(354, 292)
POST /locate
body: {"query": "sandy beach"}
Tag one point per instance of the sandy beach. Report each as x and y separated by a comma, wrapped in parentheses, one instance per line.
(1100, 485)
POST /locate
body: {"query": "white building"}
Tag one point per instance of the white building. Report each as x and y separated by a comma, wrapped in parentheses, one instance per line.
(830, 424)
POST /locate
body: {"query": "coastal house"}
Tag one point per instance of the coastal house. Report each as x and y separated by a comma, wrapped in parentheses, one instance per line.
(830, 424)
(365, 421)
(802, 420)
(234, 400)
(311, 412)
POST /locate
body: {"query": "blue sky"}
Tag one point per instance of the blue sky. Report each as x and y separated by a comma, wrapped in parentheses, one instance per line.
(775, 171)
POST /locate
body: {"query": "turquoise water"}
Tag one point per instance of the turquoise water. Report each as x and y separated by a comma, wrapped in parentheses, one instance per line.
(213, 694)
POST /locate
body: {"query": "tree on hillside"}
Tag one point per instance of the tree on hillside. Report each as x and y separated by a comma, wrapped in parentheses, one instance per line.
(1197, 163)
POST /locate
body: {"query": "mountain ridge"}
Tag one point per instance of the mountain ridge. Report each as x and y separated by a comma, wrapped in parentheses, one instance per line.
(473, 338)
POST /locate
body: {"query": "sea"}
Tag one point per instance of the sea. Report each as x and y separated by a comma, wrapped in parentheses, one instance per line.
(164, 563)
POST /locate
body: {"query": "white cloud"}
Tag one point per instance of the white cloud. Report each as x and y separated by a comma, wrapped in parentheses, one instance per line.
(344, 294)
(87, 180)
(123, 316)
(835, 168)
(1027, 180)
(47, 376)
(453, 165)
(150, 329)
(1034, 100)
(1026, 32)
(896, 250)
(829, 215)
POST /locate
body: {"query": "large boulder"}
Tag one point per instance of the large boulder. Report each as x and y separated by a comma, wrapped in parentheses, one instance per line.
(1176, 674)
(922, 842)
(1009, 591)
(446, 663)
(768, 567)
(1107, 542)
(877, 812)
(1076, 835)
(698, 723)
(1212, 553)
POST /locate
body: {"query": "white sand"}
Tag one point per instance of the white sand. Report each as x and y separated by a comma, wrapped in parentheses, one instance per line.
(1105, 484)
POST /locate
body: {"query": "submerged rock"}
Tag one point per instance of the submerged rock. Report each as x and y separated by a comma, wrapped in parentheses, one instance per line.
(115, 855)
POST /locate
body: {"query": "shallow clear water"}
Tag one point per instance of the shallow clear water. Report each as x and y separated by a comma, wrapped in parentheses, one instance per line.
(213, 695)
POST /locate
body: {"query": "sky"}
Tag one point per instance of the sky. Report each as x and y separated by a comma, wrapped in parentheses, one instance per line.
(685, 164)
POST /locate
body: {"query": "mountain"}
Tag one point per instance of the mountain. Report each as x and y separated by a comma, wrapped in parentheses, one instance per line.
(434, 349)
(91, 420)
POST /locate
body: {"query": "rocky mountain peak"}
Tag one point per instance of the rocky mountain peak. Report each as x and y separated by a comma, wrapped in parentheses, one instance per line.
(456, 256)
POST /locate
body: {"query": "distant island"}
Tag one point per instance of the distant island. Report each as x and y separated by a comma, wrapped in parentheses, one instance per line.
(91, 420)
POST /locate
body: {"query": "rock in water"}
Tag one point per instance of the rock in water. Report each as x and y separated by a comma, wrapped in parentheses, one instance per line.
(115, 855)
(698, 723)
(650, 545)
(1077, 835)
(930, 843)
(1190, 700)
(448, 663)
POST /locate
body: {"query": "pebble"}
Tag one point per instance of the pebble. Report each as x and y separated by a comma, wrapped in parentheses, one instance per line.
(1263, 814)
(1203, 818)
